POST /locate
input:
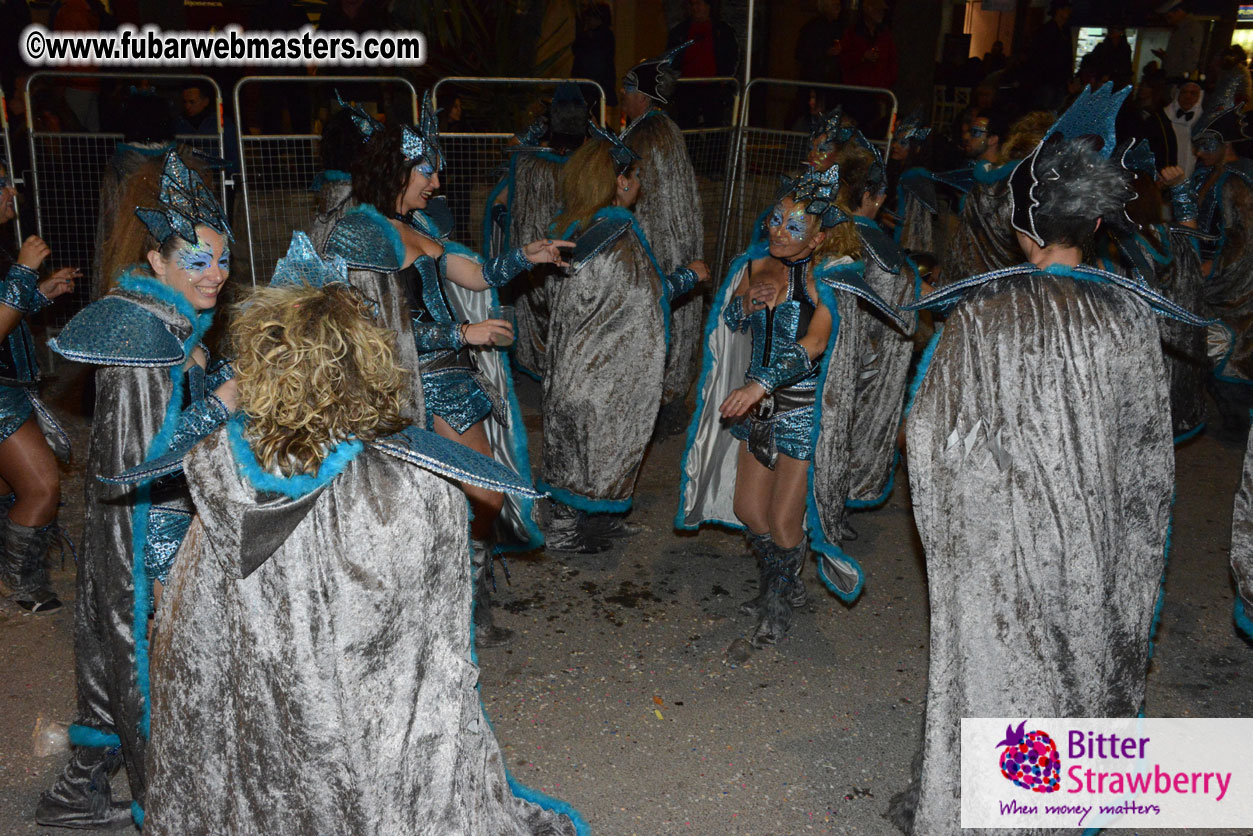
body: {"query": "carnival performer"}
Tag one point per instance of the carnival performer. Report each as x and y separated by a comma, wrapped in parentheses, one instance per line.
(1224, 185)
(343, 137)
(146, 335)
(884, 350)
(319, 609)
(395, 240)
(911, 192)
(606, 349)
(28, 468)
(669, 214)
(1167, 257)
(1041, 466)
(522, 206)
(770, 441)
(985, 240)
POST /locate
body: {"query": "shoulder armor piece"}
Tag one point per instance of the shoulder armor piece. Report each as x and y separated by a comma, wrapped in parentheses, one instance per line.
(454, 461)
(597, 237)
(116, 331)
(366, 241)
(881, 247)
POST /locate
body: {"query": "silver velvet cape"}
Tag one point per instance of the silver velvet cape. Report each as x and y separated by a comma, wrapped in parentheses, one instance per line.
(533, 200)
(883, 355)
(334, 198)
(709, 464)
(332, 690)
(669, 212)
(1041, 467)
(985, 239)
(1227, 211)
(1242, 545)
(606, 360)
(132, 410)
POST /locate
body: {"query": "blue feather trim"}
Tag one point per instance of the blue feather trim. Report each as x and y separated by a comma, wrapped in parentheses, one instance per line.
(818, 540)
(713, 319)
(1242, 619)
(92, 738)
(1190, 434)
(384, 228)
(159, 446)
(866, 504)
(292, 486)
(585, 503)
(547, 802)
(920, 373)
(137, 813)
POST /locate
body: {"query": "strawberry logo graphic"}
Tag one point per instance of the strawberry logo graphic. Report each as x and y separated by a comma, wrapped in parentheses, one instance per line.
(1030, 759)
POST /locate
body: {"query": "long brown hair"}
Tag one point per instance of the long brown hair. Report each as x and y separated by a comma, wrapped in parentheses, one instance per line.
(588, 180)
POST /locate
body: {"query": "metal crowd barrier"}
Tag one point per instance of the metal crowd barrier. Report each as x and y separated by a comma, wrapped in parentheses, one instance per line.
(6, 158)
(493, 110)
(707, 111)
(767, 147)
(67, 168)
(277, 170)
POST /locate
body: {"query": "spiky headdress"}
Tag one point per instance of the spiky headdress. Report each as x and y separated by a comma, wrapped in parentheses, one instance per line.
(621, 153)
(533, 136)
(184, 202)
(1075, 171)
(655, 77)
(365, 123)
(834, 130)
(303, 267)
(421, 142)
(1223, 124)
(877, 178)
(818, 191)
(911, 129)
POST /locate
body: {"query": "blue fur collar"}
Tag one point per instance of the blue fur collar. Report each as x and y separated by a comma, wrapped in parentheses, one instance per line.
(138, 282)
(293, 486)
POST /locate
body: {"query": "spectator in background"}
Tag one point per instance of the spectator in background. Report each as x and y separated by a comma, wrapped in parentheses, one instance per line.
(820, 44)
(1111, 58)
(83, 95)
(200, 119)
(869, 53)
(714, 52)
(1051, 59)
(1183, 113)
(994, 61)
(1182, 56)
(593, 48)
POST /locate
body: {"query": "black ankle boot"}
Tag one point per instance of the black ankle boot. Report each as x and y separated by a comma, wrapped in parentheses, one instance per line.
(783, 569)
(486, 632)
(25, 567)
(570, 530)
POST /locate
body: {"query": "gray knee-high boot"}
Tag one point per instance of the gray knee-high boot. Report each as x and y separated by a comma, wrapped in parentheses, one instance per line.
(783, 569)
(486, 632)
(759, 546)
(25, 567)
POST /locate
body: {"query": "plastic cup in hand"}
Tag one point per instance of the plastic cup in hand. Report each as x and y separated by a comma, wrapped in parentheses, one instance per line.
(507, 313)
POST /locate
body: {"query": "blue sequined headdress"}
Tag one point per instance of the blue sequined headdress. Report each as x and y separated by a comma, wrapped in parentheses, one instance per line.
(621, 153)
(303, 267)
(877, 178)
(833, 129)
(818, 190)
(533, 136)
(1089, 121)
(911, 129)
(656, 77)
(421, 142)
(1139, 158)
(364, 122)
(184, 202)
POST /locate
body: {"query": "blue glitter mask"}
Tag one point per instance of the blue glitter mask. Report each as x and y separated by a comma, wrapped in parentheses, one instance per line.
(832, 131)
(795, 223)
(185, 202)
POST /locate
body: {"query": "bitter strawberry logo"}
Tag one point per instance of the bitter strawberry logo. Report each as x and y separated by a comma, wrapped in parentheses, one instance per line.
(1030, 759)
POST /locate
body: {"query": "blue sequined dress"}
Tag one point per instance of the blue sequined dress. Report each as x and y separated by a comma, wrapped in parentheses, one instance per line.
(784, 419)
(19, 369)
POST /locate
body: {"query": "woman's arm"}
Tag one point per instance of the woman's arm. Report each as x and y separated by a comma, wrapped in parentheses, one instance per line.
(466, 271)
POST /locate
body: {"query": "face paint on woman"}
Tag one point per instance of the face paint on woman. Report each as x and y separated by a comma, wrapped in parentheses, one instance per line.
(795, 223)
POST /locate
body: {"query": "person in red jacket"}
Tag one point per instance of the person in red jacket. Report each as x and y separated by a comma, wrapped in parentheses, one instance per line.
(869, 54)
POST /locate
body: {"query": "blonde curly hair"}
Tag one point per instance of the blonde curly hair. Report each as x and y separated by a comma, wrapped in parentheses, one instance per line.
(313, 370)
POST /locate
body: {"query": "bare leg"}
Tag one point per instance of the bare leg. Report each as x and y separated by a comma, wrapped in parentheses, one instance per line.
(485, 504)
(754, 487)
(29, 468)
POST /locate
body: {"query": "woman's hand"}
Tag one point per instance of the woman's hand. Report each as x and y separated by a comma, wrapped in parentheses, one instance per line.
(60, 282)
(33, 252)
(1170, 176)
(701, 269)
(741, 400)
(761, 295)
(488, 332)
(546, 251)
(228, 394)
